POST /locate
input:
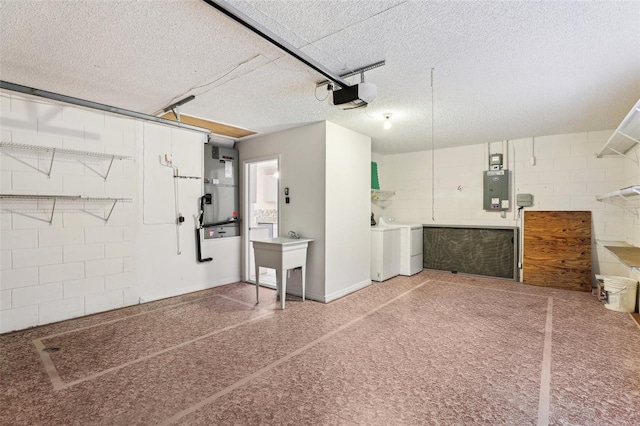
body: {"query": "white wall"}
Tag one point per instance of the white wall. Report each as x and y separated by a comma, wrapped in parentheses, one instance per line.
(79, 264)
(302, 169)
(327, 170)
(348, 230)
(631, 221)
(566, 176)
(161, 271)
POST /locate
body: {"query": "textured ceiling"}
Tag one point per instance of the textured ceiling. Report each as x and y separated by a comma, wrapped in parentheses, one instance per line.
(502, 70)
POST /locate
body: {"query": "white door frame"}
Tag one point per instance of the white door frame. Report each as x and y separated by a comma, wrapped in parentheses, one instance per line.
(246, 244)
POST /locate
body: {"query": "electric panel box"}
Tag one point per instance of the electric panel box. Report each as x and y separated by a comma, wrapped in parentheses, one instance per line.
(524, 200)
(496, 190)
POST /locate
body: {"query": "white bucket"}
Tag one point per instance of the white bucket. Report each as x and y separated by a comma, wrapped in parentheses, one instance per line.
(621, 293)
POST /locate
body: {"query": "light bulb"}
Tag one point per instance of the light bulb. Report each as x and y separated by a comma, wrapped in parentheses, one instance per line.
(387, 122)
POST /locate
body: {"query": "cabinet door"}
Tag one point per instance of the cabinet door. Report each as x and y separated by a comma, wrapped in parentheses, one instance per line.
(557, 249)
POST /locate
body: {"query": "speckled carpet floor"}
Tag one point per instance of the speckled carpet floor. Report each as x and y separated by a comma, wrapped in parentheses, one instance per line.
(432, 349)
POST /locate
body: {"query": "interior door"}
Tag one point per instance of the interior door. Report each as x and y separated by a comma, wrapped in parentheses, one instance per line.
(260, 212)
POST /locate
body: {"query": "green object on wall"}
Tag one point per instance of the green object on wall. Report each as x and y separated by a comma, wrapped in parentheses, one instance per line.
(375, 183)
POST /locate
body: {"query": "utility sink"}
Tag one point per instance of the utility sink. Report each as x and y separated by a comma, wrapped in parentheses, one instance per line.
(281, 254)
(283, 240)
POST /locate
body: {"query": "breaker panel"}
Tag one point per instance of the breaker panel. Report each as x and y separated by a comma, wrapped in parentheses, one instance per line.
(496, 190)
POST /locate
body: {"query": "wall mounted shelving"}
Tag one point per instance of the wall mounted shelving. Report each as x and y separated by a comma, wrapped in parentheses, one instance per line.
(382, 198)
(66, 152)
(625, 137)
(626, 198)
(56, 198)
(627, 254)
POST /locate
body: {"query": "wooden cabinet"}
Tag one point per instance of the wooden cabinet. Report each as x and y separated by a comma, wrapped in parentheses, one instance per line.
(557, 249)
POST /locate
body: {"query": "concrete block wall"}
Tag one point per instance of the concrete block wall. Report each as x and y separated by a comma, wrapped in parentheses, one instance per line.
(631, 217)
(77, 265)
(566, 175)
(631, 176)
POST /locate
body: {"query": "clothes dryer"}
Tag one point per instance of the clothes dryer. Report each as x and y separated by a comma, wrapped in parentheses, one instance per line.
(411, 236)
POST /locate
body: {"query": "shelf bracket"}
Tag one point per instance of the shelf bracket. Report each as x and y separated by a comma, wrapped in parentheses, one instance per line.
(109, 169)
(53, 210)
(628, 136)
(53, 155)
(111, 211)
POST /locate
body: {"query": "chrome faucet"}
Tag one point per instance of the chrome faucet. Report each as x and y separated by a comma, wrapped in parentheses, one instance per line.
(294, 234)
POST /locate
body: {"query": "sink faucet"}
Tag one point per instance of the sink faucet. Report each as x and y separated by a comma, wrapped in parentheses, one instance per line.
(294, 234)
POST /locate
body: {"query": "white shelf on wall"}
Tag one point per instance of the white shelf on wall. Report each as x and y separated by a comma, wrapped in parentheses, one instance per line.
(627, 254)
(625, 137)
(626, 198)
(66, 152)
(382, 198)
(17, 198)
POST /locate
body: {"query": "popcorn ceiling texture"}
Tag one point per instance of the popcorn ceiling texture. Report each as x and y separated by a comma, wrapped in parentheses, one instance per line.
(429, 349)
(503, 70)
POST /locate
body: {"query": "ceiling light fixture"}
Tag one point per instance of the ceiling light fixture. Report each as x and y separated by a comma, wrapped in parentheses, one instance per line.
(387, 121)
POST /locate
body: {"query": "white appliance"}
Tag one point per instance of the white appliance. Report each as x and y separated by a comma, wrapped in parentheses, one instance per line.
(385, 253)
(410, 244)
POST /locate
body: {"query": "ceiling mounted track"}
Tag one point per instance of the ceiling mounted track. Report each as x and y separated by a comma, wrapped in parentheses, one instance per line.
(95, 105)
(360, 71)
(174, 106)
(272, 38)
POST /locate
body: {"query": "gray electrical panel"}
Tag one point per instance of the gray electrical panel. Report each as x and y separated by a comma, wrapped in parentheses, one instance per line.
(496, 190)
(524, 200)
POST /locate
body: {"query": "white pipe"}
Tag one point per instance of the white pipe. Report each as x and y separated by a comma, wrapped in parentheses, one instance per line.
(487, 152)
(168, 162)
(505, 151)
(176, 195)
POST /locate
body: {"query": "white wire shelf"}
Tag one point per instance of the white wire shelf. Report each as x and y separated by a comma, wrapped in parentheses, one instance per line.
(377, 194)
(625, 137)
(63, 198)
(626, 198)
(66, 152)
(382, 198)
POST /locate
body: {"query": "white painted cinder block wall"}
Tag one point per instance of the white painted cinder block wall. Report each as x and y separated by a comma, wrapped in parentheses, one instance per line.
(566, 176)
(631, 221)
(78, 264)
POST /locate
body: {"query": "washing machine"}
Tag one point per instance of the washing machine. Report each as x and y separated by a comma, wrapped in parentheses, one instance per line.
(385, 253)
(410, 244)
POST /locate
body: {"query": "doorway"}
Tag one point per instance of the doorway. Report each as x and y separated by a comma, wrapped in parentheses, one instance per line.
(261, 178)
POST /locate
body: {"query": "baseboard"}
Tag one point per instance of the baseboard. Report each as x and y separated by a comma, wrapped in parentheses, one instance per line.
(331, 297)
(338, 294)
